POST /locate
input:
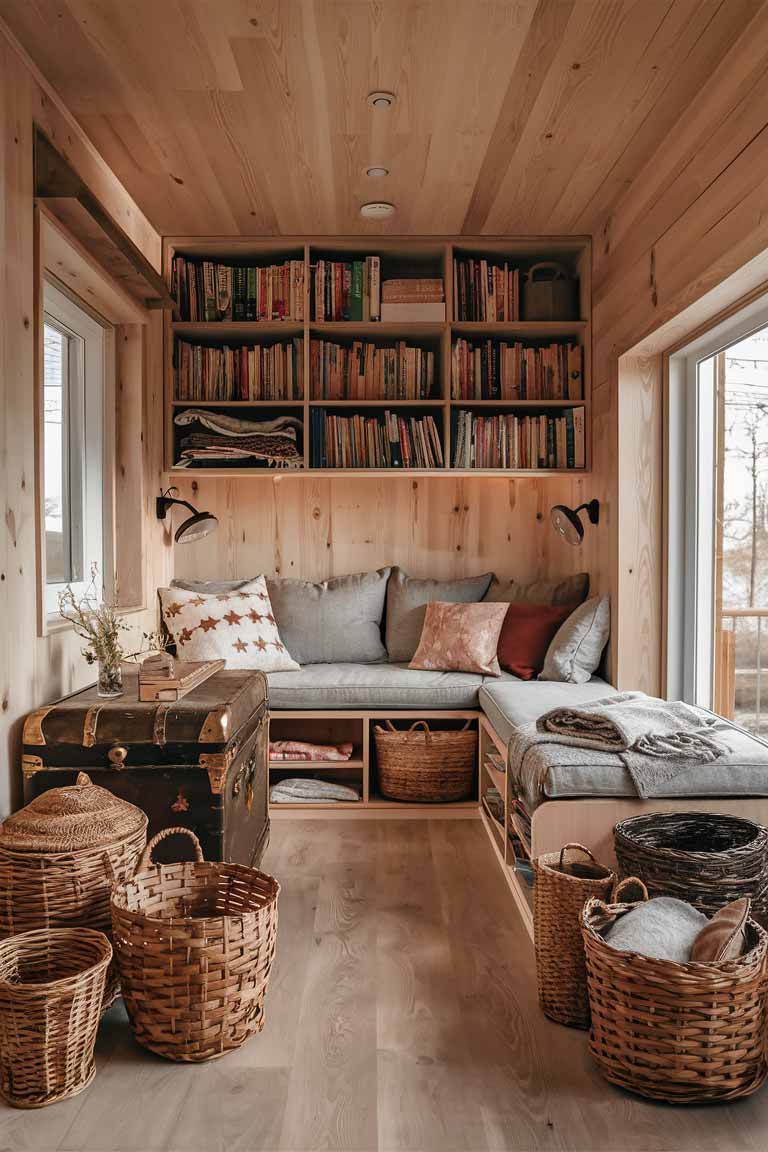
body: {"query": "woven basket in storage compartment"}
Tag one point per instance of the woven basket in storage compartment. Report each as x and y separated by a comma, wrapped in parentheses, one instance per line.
(425, 766)
(684, 1033)
(562, 885)
(705, 858)
(194, 944)
(59, 857)
(51, 992)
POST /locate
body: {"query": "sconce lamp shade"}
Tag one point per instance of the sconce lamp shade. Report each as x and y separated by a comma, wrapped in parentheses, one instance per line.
(567, 522)
(195, 527)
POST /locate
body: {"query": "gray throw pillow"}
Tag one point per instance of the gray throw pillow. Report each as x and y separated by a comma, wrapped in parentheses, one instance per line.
(334, 622)
(664, 929)
(570, 590)
(407, 599)
(577, 647)
(211, 587)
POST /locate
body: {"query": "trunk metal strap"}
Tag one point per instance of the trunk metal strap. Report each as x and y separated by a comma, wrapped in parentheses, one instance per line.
(158, 731)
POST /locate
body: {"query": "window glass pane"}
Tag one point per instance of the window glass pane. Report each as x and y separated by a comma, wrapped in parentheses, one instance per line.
(57, 542)
(744, 530)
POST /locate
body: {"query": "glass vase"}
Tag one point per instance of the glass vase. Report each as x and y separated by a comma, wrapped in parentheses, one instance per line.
(110, 678)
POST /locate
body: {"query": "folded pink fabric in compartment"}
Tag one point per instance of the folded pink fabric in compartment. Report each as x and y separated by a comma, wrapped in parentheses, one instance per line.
(302, 750)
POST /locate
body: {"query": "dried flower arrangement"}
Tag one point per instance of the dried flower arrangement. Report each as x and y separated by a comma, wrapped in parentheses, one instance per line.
(98, 624)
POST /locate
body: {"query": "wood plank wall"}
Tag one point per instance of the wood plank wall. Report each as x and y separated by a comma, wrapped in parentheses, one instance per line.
(315, 528)
(667, 259)
(35, 669)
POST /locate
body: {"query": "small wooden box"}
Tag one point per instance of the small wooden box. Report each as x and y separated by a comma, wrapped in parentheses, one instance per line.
(199, 762)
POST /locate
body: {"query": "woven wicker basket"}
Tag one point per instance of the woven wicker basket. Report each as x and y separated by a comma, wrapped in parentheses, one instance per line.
(424, 766)
(684, 1033)
(194, 944)
(59, 857)
(708, 859)
(51, 992)
(561, 888)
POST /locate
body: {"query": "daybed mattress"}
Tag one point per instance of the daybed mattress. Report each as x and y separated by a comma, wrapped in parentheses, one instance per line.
(586, 772)
(328, 686)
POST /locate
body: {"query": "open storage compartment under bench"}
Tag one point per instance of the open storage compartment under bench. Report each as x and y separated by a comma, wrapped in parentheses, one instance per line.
(361, 770)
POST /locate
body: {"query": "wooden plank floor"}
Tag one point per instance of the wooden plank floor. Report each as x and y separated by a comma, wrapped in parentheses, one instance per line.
(402, 1015)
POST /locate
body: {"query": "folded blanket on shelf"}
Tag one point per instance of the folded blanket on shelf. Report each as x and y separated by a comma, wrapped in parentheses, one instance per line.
(305, 750)
(232, 440)
(299, 790)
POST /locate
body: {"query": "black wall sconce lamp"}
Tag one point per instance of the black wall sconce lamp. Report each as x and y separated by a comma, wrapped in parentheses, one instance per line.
(196, 526)
(567, 522)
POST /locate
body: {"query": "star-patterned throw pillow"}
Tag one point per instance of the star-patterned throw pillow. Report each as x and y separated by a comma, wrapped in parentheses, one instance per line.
(237, 626)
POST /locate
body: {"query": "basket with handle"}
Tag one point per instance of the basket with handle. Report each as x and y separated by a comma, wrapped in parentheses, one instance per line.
(60, 856)
(562, 885)
(683, 1033)
(194, 942)
(51, 992)
(425, 766)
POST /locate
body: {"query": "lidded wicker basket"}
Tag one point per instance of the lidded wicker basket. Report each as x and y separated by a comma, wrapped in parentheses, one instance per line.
(683, 1033)
(51, 992)
(705, 858)
(562, 885)
(425, 766)
(194, 942)
(60, 855)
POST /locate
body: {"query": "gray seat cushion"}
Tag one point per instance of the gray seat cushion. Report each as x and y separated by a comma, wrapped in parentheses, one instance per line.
(372, 686)
(407, 599)
(513, 703)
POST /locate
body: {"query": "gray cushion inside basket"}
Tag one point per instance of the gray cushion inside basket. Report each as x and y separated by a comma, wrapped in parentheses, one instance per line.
(663, 928)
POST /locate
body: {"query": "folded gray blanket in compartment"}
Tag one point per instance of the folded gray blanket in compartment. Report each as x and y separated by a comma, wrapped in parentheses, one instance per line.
(656, 739)
(304, 790)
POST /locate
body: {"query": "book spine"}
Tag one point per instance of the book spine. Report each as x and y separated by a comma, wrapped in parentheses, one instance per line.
(375, 287)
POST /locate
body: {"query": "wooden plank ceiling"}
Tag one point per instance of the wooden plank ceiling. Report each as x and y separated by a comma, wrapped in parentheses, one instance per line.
(250, 116)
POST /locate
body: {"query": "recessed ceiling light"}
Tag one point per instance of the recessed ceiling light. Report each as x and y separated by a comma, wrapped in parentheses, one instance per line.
(377, 210)
(377, 171)
(381, 99)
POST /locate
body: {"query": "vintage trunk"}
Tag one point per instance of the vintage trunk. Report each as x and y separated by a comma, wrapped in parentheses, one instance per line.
(200, 762)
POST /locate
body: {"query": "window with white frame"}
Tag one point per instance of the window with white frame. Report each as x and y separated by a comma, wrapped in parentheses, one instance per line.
(75, 432)
(717, 513)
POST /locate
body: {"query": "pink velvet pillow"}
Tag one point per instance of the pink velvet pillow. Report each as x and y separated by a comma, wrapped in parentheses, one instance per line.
(460, 638)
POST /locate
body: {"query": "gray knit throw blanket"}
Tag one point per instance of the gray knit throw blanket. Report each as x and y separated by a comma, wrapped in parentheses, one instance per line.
(656, 739)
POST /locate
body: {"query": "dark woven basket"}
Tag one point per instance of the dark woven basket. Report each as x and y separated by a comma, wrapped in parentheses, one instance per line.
(705, 858)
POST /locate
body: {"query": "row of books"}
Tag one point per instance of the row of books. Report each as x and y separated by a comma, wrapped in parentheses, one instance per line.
(512, 441)
(264, 372)
(485, 291)
(386, 440)
(346, 289)
(370, 372)
(208, 290)
(494, 370)
(413, 298)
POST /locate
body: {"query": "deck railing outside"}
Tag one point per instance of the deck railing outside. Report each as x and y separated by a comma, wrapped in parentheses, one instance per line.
(742, 679)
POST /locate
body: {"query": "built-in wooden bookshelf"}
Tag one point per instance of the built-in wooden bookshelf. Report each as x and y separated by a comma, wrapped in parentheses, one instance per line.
(399, 257)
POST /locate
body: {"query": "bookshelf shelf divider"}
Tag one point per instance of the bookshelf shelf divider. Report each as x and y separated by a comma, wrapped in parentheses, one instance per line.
(408, 257)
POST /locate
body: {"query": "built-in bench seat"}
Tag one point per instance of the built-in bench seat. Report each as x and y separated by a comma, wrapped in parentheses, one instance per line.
(376, 686)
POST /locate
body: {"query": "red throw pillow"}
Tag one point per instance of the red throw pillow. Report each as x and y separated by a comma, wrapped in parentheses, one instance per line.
(526, 634)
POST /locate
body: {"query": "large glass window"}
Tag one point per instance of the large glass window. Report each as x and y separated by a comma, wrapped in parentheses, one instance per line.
(73, 443)
(718, 472)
